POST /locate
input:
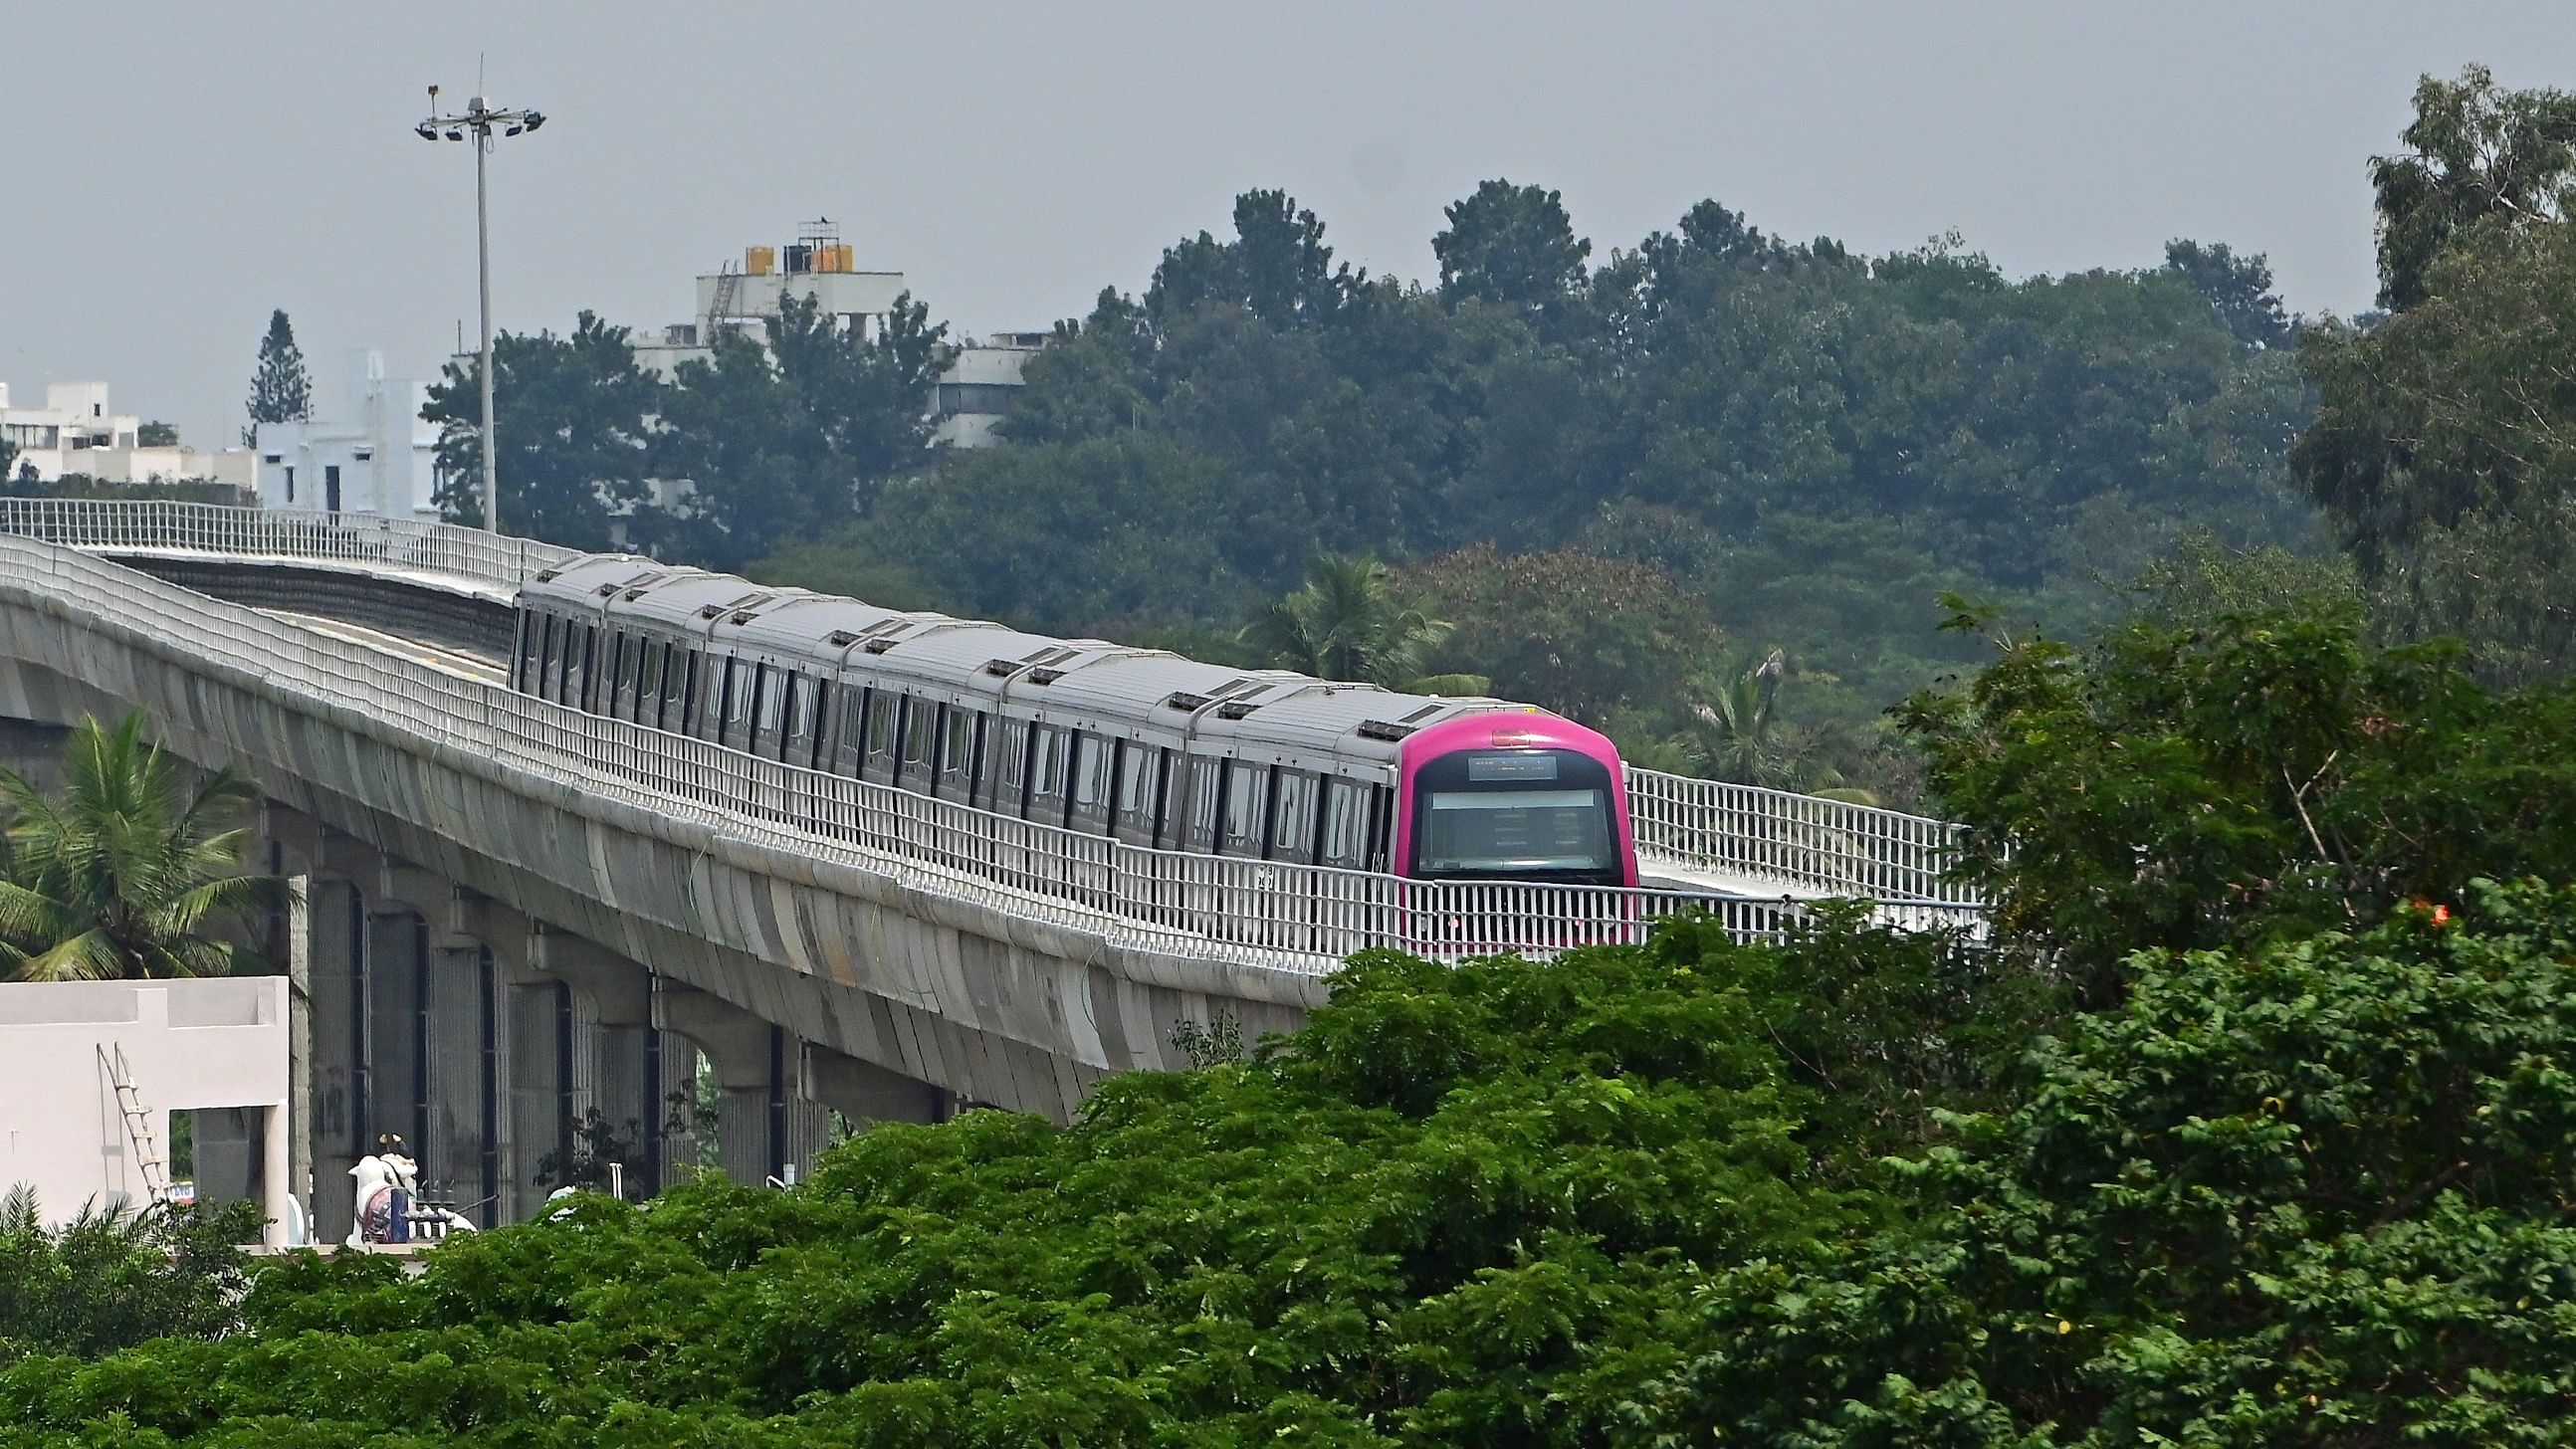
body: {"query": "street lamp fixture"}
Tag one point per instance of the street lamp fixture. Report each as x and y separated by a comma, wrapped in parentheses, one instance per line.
(478, 120)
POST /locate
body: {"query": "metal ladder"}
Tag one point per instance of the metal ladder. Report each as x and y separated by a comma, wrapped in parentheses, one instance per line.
(728, 284)
(148, 1162)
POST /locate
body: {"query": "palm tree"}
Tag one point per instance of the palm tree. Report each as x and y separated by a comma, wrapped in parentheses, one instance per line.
(1348, 623)
(1736, 734)
(132, 872)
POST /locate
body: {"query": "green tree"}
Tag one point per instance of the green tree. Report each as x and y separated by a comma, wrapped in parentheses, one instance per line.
(132, 873)
(573, 415)
(1277, 268)
(1349, 622)
(279, 390)
(2224, 782)
(2203, 581)
(1737, 732)
(2474, 153)
(2238, 288)
(1512, 245)
(792, 441)
(156, 435)
(2444, 449)
(115, 1277)
(1587, 637)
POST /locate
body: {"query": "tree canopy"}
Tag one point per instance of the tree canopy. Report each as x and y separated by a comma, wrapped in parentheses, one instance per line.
(280, 392)
(2223, 1142)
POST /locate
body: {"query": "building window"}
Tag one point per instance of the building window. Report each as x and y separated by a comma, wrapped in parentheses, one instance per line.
(976, 397)
(290, 482)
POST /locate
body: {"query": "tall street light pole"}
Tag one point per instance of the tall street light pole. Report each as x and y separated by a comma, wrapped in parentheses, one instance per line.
(477, 121)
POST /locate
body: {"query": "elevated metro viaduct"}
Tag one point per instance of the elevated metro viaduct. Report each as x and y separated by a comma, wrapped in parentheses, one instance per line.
(489, 950)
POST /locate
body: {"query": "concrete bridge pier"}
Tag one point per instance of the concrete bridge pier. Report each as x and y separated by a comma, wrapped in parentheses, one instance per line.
(766, 1127)
(612, 1048)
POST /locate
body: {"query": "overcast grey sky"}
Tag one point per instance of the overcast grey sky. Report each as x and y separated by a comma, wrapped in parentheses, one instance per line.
(179, 169)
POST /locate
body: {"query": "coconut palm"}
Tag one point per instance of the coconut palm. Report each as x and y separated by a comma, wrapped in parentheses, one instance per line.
(132, 872)
(1736, 734)
(1347, 622)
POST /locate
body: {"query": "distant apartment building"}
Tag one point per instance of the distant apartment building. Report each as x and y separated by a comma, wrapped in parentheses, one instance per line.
(75, 434)
(980, 386)
(973, 395)
(371, 453)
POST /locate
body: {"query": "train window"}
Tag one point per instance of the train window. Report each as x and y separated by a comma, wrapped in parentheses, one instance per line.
(648, 680)
(810, 743)
(1163, 827)
(1345, 824)
(541, 683)
(920, 737)
(558, 657)
(577, 670)
(1046, 774)
(1094, 766)
(717, 714)
(1139, 776)
(1381, 828)
(1292, 819)
(532, 634)
(623, 666)
(1246, 808)
(742, 698)
(1007, 776)
(768, 709)
(792, 710)
(885, 713)
(568, 665)
(850, 736)
(1206, 802)
(956, 751)
(680, 701)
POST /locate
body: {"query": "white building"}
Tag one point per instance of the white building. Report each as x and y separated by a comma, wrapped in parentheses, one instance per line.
(817, 267)
(973, 395)
(74, 433)
(90, 1072)
(980, 386)
(372, 453)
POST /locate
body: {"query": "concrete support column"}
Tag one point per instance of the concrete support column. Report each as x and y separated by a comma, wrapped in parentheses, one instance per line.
(397, 1026)
(529, 1070)
(341, 1118)
(289, 842)
(765, 1127)
(455, 1152)
(606, 1019)
(277, 1181)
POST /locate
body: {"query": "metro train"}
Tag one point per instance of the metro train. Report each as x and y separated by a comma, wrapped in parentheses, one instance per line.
(1139, 745)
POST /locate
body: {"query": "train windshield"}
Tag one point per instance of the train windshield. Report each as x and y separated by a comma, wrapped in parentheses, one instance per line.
(1523, 814)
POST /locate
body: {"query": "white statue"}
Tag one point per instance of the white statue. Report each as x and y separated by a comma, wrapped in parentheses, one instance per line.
(387, 1207)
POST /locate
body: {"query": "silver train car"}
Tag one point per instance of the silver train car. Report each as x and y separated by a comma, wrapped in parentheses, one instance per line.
(1139, 745)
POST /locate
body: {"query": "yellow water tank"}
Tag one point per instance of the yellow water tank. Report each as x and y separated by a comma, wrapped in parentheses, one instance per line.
(759, 261)
(848, 258)
(824, 258)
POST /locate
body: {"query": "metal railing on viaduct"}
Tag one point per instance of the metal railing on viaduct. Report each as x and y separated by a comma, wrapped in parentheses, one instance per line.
(999, 960)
